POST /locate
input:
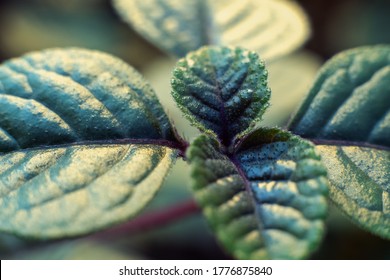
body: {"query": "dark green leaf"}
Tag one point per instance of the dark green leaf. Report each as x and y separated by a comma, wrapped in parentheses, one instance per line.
(350, 99)
(347, 112)
(62, 96)
(272, 28)
(266, 202)
(221, 90)
(84, 143)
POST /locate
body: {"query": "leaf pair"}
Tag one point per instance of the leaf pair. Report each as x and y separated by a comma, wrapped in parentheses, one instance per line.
(264, 192)
(85, 144)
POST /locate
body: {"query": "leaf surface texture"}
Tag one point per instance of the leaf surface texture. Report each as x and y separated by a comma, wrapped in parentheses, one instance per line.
(83, 143)
(347, 112)
(221, 90)
(266, 202)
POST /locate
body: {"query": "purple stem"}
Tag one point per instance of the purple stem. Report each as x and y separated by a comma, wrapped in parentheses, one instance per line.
(152, 220)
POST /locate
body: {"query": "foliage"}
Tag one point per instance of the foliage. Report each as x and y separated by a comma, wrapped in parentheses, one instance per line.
(222, 91)
(273, 28)
(348, 107)
(73, 123)
(85, 143)
(267, 200)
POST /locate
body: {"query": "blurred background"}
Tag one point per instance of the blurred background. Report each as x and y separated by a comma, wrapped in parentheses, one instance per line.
(336, 25)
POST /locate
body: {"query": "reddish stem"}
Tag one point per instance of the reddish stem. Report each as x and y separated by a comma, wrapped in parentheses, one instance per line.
(154, 219)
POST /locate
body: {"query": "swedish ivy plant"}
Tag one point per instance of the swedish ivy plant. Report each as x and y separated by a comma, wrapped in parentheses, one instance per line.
(85, 144)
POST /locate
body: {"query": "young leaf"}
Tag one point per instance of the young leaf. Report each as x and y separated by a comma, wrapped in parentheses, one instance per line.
(347, 113)
(268, 200)
(223, 91)
(84, 143)
(273, 28)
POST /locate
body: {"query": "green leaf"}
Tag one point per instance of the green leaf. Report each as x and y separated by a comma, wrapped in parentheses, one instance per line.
(223, 91)
(350, 99)
(84, 143)
(61, 96)
(52, 193)
(360, 184)
(266, 202)
(273, 28)
(347, 112)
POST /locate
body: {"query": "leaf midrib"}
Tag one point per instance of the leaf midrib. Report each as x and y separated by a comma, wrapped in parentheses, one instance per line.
(124, 141)
(222, 110)
(248, 189)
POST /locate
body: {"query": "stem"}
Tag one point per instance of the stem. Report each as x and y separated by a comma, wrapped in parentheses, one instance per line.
(182, 144)
(152, 220)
